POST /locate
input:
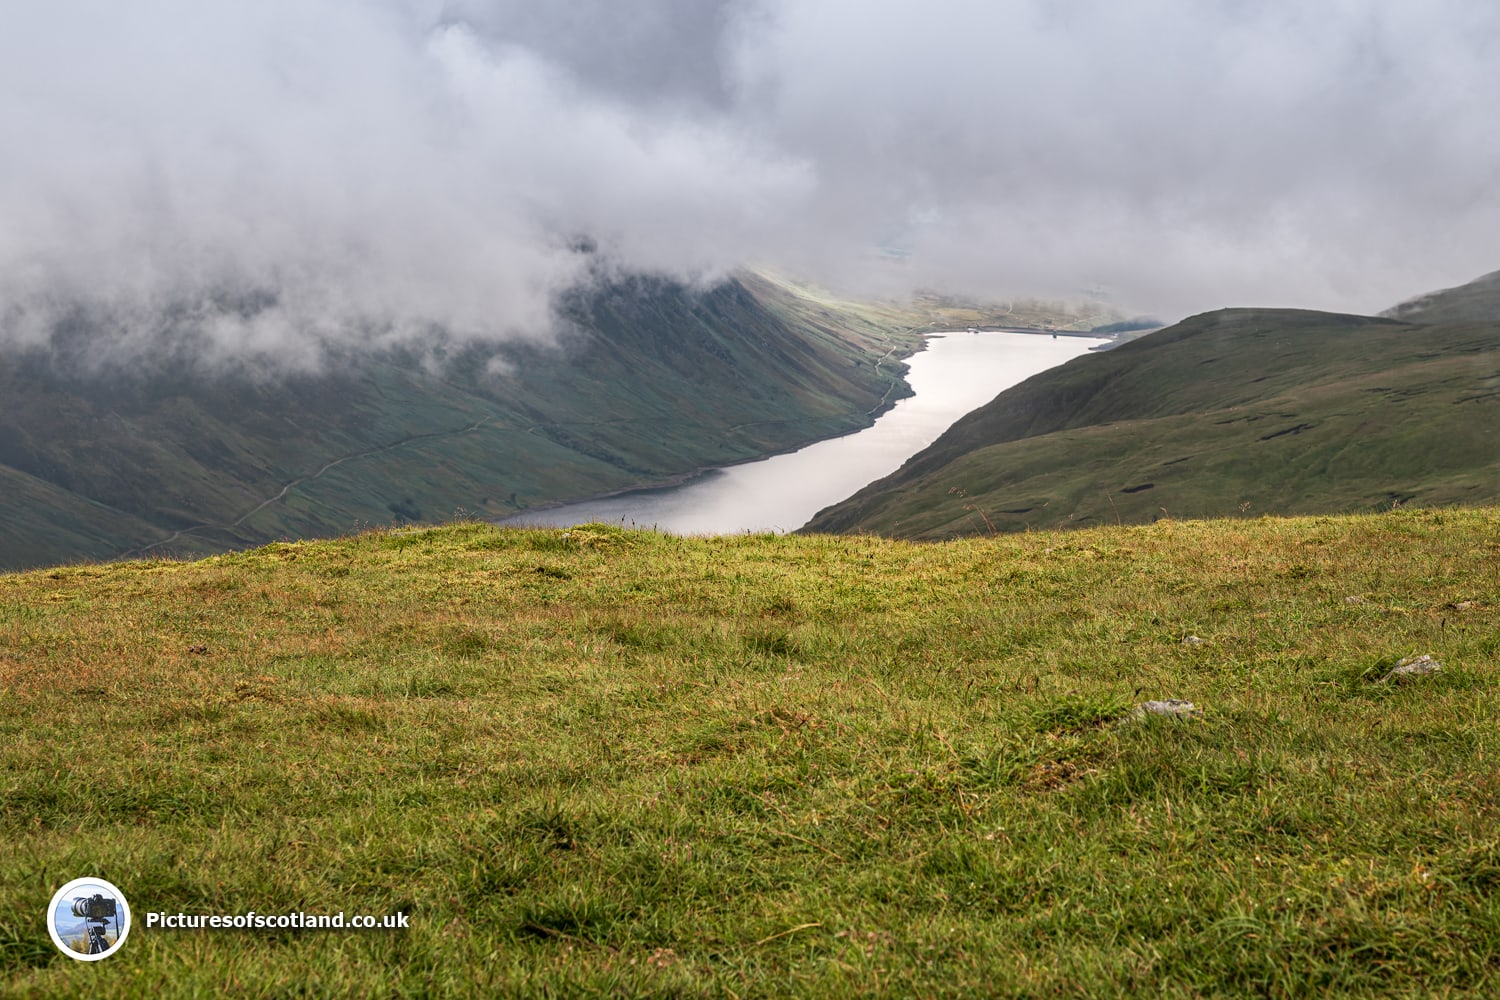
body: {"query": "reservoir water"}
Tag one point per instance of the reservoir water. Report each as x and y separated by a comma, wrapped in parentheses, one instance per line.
(958, 372)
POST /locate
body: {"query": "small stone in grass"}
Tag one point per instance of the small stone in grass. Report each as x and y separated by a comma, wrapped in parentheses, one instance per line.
(1170, 707)
(1193, 640)
(1354, 599)
(1413, 666)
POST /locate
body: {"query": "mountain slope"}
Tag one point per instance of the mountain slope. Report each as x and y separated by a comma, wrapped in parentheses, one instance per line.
(656, 381)
(1479, 300)
(1238, 411)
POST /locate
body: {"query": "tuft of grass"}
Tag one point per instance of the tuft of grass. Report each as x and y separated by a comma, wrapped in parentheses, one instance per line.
(465, 643)
(618, 762)
(1075, 713)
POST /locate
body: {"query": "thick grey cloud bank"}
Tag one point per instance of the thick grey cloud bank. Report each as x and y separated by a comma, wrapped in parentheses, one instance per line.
(373, 170)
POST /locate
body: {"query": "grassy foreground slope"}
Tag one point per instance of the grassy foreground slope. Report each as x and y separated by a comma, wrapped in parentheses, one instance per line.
(596, 761)
(657, 381)
(1233, 412)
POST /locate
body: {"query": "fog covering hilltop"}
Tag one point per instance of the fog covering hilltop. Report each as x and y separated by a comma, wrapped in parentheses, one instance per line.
(654, 380)
(1478, 300)
(374, 169)
(1239, 412)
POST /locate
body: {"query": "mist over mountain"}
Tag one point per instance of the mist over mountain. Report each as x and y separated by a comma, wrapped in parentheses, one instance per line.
(651, 381)
(1477, 300)
(280, 181)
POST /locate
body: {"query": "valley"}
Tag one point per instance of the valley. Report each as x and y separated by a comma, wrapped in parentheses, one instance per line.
(656, 382)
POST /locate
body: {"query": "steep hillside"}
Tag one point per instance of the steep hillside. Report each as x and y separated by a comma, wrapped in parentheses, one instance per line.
(1239, 411)
(656, 381)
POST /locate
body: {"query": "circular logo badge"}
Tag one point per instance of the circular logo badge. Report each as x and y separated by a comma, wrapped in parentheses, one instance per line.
(88, 919)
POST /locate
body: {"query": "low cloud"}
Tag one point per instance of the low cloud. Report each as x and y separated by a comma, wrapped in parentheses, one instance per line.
(280, 177)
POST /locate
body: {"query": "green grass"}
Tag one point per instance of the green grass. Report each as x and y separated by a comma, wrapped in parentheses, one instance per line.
(605, 762)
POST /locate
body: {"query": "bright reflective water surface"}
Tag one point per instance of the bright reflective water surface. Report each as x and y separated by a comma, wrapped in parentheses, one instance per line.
(958, 372)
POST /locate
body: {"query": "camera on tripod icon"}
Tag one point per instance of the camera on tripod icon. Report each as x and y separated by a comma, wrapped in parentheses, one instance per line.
(95, 907)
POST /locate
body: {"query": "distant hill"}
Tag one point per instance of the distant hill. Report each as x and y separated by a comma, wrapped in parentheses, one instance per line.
(658, 381)
(1237, 412)
(1479, 300)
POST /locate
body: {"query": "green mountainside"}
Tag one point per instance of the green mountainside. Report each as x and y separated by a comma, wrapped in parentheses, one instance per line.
(1242, 411)
(657, 382)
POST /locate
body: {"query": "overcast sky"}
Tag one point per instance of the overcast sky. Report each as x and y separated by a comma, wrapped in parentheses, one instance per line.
(389, 166)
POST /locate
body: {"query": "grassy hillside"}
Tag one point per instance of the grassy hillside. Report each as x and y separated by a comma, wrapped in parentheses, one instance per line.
(657, 381)
(596, 762)
(949, 313)
(1229, 413)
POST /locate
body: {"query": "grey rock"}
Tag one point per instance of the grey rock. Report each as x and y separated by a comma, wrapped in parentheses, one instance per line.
(1170, 707)
(1413, 666)
(1193, 640)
